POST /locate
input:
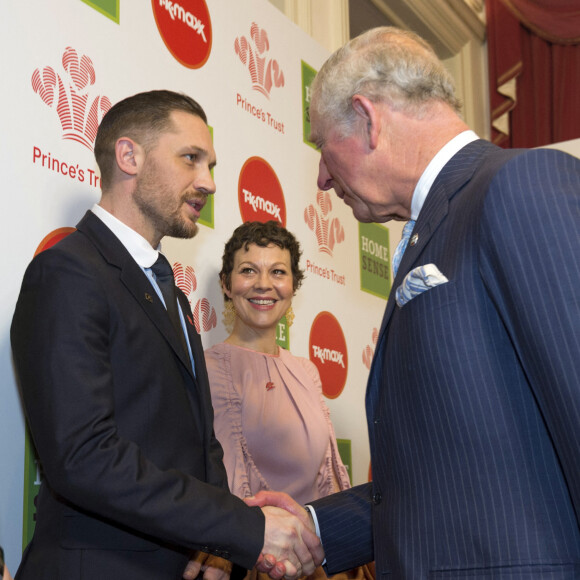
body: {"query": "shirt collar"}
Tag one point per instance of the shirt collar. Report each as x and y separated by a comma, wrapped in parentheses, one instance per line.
(435, 166)
(139, 248)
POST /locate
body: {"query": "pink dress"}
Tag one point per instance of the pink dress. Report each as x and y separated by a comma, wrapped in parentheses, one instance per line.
(273, 424)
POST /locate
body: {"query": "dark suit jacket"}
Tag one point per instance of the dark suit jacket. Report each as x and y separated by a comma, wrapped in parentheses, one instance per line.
(133, 474)
(473, 399)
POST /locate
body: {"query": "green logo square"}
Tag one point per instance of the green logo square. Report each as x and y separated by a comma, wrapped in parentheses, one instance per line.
(345, 452)
(308, 74)
(206, 217)
(375, 260)
(32, 481)
(283, 334)
(110, 8)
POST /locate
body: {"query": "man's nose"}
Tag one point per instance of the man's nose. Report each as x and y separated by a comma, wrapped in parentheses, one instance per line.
(205, 182)
(324, 178)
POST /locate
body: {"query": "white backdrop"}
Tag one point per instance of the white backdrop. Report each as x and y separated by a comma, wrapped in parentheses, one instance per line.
(90, 53)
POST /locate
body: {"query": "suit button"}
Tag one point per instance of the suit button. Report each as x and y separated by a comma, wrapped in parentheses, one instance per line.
(377, 498)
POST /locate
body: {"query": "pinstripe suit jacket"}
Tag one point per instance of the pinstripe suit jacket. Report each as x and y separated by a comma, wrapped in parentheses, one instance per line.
(473, 400)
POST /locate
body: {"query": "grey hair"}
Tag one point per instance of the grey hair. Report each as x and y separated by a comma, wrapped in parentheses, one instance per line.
(384, 64)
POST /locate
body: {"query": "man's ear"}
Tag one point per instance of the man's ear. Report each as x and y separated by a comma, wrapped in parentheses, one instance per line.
(126, 153)
(367, 110)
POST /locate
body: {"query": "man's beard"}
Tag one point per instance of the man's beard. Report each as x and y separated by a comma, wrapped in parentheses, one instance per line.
(152, 202)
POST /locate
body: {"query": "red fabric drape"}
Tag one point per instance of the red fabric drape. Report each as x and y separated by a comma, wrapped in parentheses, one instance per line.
(557, 21)
(534, 81)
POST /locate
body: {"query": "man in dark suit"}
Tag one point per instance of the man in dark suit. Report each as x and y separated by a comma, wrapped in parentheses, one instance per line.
(473, 398)
(116, 396)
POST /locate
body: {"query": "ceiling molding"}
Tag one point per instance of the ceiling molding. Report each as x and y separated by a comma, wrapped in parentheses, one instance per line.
(327, 21)
(447, 24)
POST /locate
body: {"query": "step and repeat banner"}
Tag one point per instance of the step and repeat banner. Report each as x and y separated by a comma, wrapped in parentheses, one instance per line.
(63, 65)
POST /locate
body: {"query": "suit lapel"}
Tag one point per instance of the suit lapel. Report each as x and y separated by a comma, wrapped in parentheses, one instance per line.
(134, 280)
(454, 175)
(194, 340)
(146, 295)
(200, 388)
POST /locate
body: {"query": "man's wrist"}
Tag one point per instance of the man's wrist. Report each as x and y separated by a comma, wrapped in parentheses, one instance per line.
(312, 513)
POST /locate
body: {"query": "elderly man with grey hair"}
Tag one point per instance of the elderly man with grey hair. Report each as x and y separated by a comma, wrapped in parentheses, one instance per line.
(473, 398)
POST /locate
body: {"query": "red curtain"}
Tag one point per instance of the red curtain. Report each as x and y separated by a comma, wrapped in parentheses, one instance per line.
(534, 71)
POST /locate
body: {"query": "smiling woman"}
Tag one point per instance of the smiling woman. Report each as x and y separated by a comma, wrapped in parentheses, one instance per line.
(270, 414)
(260, 289)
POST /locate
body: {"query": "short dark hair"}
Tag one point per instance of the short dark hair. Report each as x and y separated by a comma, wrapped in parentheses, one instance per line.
(262, 234)
(141, 117)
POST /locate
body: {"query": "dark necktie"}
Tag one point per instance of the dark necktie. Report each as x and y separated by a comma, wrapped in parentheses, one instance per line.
(166, 282)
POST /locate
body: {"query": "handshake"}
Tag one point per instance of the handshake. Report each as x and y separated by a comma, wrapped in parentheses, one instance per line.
(291, 547)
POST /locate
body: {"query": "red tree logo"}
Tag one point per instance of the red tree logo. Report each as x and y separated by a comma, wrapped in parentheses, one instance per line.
(68, 95)
(369, 351)
(265, 72)
(204, 315)
(328, 230)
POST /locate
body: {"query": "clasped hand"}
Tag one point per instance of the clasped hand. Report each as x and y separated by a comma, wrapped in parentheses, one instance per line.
(291, 546)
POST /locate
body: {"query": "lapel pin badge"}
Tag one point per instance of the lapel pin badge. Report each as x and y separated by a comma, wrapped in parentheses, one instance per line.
(414, 239)
(148, 297)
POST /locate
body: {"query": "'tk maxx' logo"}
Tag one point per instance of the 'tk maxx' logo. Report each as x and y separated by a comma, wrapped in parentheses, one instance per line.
(328, 352)
(260, 194)
(185, 27)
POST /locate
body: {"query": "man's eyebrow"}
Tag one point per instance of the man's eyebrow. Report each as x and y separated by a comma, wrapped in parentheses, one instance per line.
(196, 149)
(199, 149)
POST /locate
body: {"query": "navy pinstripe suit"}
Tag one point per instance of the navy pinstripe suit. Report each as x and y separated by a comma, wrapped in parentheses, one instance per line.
(473, 400)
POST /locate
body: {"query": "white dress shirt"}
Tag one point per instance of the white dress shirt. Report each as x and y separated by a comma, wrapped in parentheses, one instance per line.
(143, 253)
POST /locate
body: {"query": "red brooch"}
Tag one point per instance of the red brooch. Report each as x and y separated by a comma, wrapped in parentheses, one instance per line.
(270, 385)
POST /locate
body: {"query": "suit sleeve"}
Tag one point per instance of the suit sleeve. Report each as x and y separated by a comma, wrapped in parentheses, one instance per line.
(65, 337)
(344, 520)
(530, 262)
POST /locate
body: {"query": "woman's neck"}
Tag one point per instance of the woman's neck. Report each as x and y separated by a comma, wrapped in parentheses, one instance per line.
(258, 340)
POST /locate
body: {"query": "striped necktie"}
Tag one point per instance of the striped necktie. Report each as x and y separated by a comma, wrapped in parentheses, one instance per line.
(402, 245)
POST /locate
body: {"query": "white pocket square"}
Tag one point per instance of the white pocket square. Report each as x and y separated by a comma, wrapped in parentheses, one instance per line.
(417, 281)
